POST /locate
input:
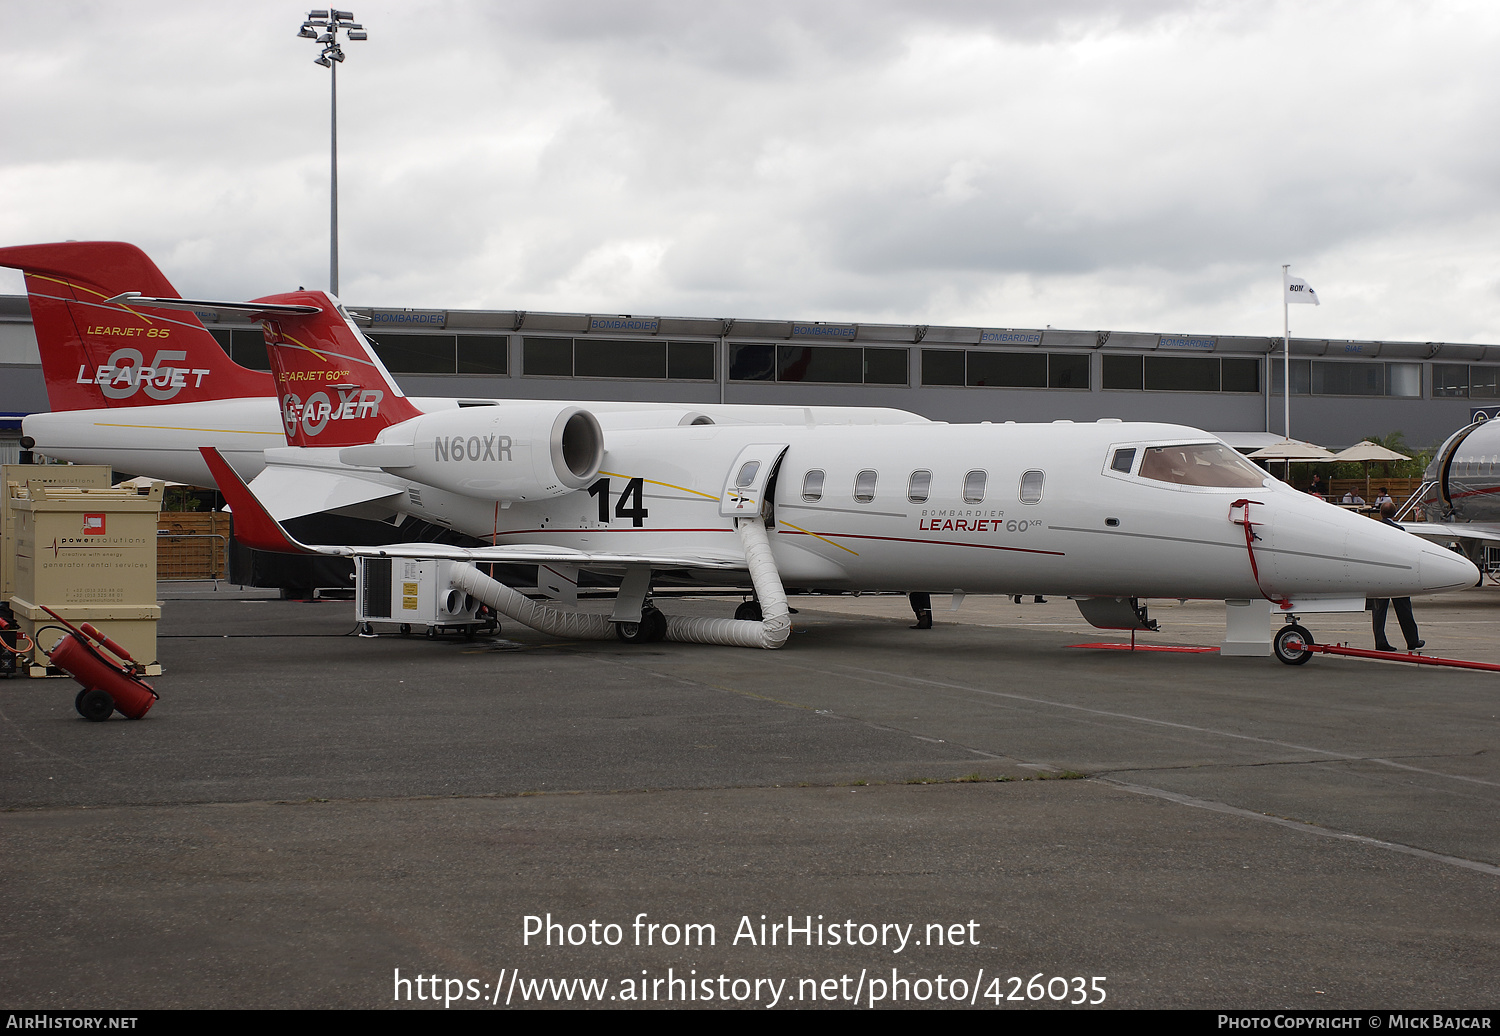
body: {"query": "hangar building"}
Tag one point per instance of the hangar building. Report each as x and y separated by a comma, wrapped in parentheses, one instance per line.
(1342, 391)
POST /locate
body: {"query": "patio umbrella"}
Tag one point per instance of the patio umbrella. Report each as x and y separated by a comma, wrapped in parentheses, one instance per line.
(1369, 452)
(1292, 449)
(1288, 450)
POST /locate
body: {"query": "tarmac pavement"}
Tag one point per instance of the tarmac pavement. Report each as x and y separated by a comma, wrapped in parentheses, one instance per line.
(305, 812)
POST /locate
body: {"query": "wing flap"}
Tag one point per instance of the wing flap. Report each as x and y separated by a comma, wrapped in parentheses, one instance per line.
(286, 491)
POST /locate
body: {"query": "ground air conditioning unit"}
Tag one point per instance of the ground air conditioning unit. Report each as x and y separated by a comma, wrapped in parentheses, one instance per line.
(412, 592)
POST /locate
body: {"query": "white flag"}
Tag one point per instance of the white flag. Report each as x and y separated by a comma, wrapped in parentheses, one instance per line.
(1297, 290)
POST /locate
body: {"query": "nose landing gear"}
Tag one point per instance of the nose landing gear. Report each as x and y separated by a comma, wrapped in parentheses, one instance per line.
(1292, 642)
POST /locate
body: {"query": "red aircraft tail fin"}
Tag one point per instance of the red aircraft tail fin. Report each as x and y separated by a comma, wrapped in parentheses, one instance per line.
(334, 391)
(99, 354)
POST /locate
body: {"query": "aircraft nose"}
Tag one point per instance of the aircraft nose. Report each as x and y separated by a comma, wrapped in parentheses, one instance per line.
(1445, 570)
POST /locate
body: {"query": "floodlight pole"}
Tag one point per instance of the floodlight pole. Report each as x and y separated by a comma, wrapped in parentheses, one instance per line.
(331, 21)
(333, 178)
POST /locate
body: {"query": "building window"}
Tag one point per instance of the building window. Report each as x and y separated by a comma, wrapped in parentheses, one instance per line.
(483, 354)
(246, 348)
(820, 364)
(637, 358)
(1124, 372)
(690, 361)
(1182, 373)
(982, 369)
(886, 366)
(1350, 378)
(547, 357)
(610, 358)
(752, 363)
(1008, 370)
(415, 354)
(1476, 381)
(942, 366)
(1067, 370)
(824, 365)
(1240, 375)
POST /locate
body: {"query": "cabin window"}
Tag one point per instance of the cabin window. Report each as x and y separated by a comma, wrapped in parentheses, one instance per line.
(1031, 487)
(1123, 461)
(747, 474)
(864, 486)
(919, 486)
(974, 487)
(812, 486)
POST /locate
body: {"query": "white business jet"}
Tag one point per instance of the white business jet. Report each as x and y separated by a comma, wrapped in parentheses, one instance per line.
(1109, 513)
(142, 388)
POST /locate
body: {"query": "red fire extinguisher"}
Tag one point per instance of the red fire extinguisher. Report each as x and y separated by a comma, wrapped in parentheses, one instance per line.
(108, 684)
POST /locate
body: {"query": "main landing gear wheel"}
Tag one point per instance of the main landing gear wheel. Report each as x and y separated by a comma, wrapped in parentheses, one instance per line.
(749, 612)
(651, 628)
(1291, 644)
(94, 705)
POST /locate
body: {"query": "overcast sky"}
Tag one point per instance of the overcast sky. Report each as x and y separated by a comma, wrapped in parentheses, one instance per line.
(1076, 163)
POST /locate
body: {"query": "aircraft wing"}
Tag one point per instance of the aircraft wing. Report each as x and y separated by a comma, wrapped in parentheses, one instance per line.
(1486, 532)
(255, 527)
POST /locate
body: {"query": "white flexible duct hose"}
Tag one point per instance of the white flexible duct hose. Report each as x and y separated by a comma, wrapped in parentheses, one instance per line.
(771, 632)
(572, 625)
(776, 623)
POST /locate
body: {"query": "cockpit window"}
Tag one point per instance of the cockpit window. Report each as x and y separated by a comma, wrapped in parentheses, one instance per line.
(1201, 464)
(1123, 460)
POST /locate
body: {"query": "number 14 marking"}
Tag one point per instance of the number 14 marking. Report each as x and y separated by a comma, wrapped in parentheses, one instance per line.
(633, 491)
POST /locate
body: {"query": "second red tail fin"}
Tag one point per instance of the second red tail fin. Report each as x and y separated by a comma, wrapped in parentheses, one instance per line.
(334, 390)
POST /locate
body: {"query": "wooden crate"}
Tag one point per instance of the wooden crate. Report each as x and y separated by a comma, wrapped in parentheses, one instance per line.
(193, 545)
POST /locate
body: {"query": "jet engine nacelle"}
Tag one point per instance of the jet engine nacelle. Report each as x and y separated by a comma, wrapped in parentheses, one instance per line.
(504, 453)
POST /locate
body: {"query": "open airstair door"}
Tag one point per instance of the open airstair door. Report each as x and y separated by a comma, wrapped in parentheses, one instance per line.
(749, 478)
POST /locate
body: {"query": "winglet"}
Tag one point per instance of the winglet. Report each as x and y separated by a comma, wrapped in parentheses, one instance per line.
(253, 525)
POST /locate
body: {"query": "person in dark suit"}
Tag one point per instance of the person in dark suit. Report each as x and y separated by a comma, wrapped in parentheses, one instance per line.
(921, 606)
(1403, 604)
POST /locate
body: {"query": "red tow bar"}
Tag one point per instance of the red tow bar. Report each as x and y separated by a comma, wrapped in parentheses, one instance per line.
(1400, 656)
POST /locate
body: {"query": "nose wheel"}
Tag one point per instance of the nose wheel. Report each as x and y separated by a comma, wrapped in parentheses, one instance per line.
(1291, 644)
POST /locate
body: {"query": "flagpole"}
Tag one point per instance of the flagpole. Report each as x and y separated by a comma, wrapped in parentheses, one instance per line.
(1286, 357)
